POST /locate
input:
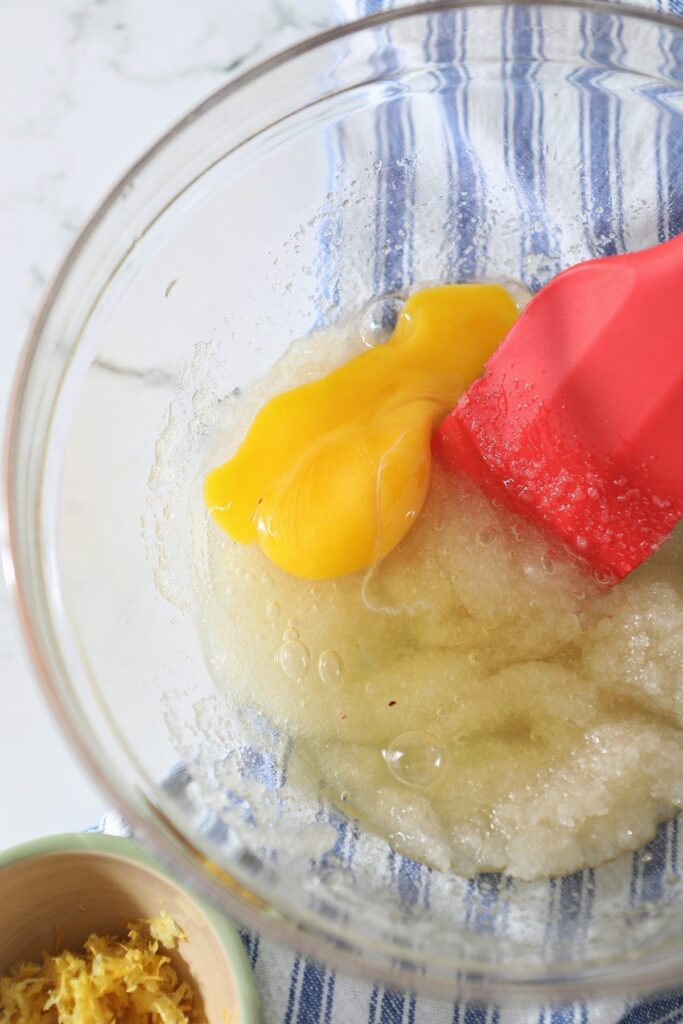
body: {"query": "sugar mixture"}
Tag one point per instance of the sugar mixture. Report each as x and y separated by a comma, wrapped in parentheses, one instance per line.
(475, 698)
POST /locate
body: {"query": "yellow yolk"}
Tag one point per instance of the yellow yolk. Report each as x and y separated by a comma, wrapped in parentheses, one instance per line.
(331, 475)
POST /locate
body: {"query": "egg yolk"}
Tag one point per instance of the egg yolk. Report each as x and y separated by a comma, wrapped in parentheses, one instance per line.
(332, 474)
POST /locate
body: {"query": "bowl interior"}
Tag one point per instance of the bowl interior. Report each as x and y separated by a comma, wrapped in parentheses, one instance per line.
(465, 144)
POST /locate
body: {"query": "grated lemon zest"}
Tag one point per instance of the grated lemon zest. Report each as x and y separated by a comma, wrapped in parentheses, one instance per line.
(113, 981)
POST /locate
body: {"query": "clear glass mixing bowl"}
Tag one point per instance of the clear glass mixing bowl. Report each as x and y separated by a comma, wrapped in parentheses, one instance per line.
(439, 142)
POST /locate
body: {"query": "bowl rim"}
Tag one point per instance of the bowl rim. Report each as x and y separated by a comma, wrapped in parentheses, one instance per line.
(658, 972)
(97, 844)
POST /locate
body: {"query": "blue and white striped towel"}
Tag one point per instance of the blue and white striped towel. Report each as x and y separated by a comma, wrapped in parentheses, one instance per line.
(293, 989)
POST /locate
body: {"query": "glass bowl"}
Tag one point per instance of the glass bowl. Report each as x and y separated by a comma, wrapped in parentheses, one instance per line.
(443, 142)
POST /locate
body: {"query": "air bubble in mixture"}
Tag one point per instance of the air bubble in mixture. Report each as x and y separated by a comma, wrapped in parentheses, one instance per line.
(486, 536)
(330, 668)
(294, 659)
(379, 319)
(414, 758)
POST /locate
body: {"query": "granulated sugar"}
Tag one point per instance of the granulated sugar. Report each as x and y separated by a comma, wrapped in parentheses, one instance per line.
(477, 699)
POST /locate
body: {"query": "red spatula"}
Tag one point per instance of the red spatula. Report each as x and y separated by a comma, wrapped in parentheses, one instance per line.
(577, 423)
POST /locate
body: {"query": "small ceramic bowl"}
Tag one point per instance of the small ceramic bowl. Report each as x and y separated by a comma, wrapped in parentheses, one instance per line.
(54, 892)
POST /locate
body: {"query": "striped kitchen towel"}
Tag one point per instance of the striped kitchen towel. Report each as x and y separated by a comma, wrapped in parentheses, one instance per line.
(296, 990)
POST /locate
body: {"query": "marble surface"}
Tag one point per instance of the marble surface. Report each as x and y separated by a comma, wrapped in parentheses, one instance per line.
(87, 85)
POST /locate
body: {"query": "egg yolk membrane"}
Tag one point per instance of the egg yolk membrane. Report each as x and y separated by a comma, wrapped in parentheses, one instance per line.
(332, 474)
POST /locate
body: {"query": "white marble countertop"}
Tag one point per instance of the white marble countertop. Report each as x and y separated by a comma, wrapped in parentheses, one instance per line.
(87, 85)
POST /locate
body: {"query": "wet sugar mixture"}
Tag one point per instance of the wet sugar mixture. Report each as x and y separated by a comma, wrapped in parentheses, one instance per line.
(475, 697)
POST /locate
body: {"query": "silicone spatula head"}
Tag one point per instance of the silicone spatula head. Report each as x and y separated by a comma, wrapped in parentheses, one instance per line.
(577, 423)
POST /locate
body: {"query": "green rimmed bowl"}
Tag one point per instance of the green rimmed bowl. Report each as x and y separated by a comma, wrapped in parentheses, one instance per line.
(56, 891)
